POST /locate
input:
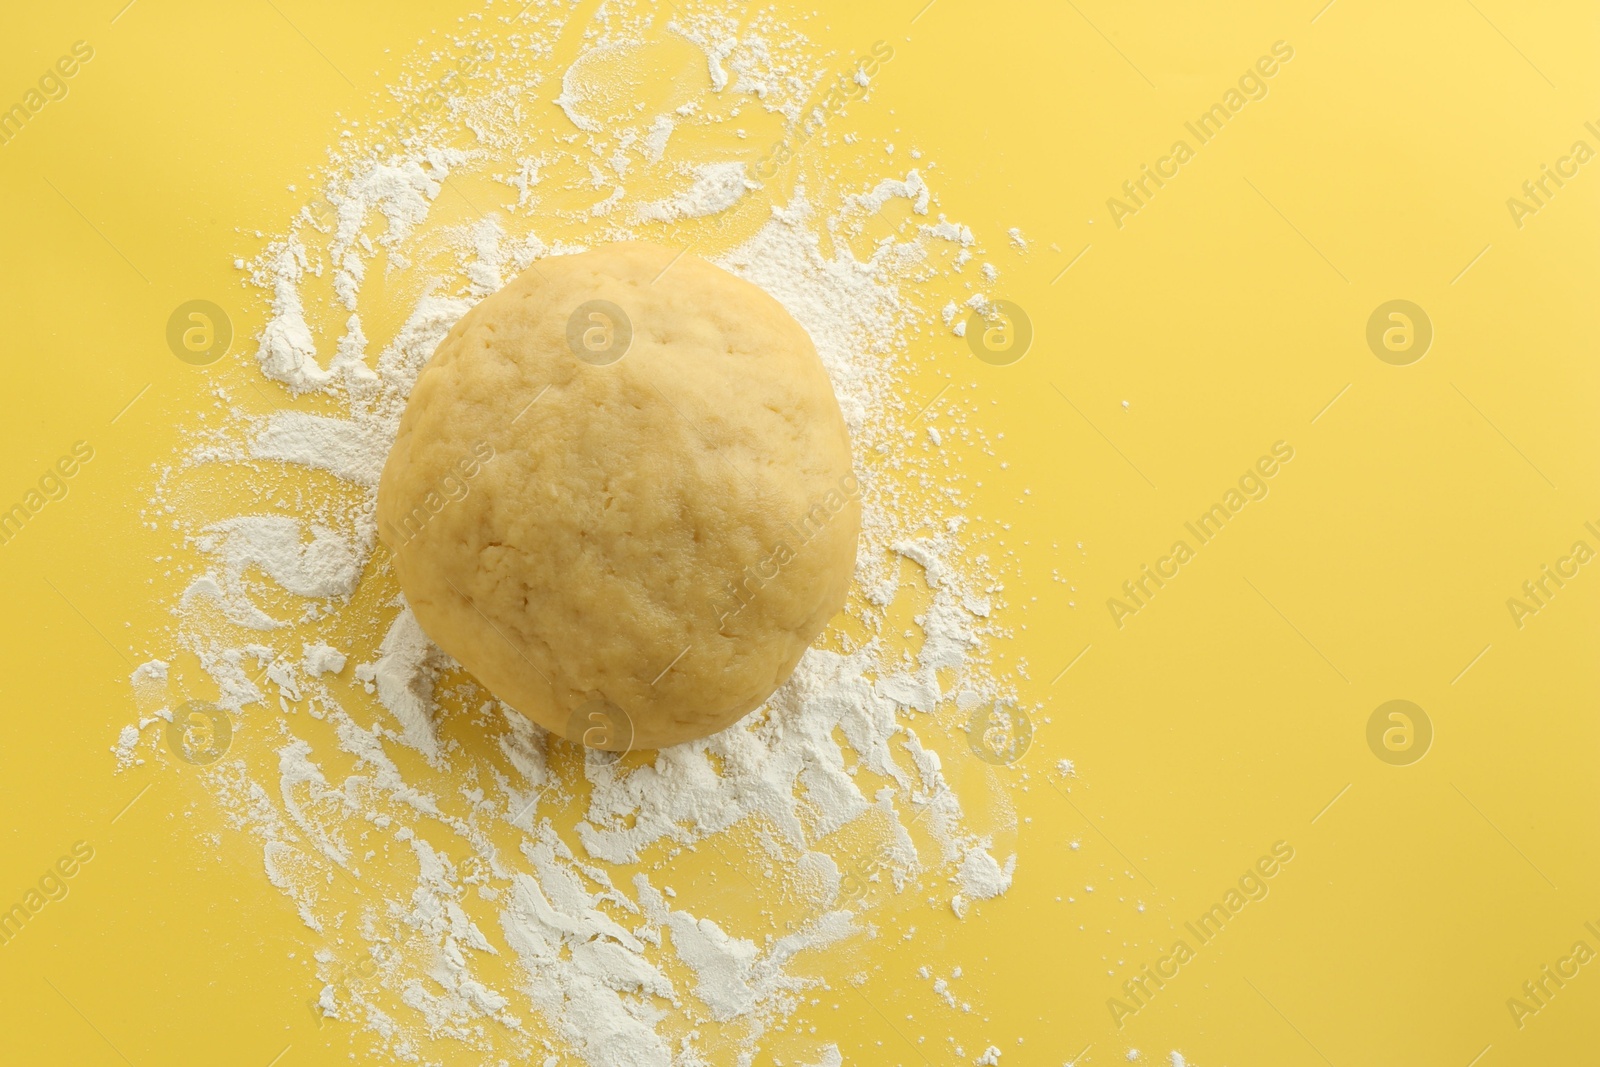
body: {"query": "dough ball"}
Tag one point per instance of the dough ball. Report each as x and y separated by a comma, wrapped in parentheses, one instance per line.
(621, 496)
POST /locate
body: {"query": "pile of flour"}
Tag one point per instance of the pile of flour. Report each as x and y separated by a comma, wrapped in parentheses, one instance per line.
(465, 880)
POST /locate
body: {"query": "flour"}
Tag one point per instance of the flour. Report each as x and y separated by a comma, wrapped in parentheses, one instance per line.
(308, 562)
(831, 1057)
(127, 743)
(352, 450)
(467, 881)
(403, 679)
(322, 658)
(288, 351)
(655, 142)
(716, 188)
(981, 877)
(911, 188)
(153, 672)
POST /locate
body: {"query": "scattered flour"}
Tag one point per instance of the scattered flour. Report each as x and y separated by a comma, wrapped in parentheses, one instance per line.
(127, 741)
(152, 673)
(981, 878)
(322, 658)
(467, 881)
(716, 188)
(831, 1057)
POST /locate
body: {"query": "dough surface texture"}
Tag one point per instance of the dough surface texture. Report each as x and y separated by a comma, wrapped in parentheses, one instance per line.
(621, 496)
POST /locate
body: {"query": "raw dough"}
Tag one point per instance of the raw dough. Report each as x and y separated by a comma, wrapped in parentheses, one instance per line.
(651, 512)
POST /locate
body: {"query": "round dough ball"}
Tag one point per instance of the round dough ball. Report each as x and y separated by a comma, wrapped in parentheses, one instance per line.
(621, 496)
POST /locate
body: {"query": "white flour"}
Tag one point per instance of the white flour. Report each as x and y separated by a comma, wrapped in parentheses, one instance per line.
(465, 880)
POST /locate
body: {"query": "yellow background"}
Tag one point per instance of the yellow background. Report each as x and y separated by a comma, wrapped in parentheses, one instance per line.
(1223, 717)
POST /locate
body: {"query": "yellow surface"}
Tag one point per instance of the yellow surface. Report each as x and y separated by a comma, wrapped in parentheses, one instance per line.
(1230, 312)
